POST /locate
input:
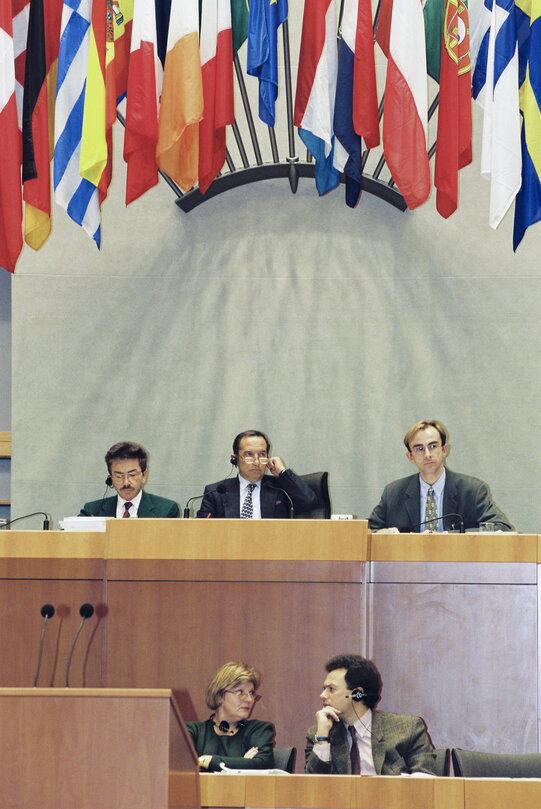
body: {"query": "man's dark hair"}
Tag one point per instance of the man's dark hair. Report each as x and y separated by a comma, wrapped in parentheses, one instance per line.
(249, 434)
(360, 673)
(124, 450)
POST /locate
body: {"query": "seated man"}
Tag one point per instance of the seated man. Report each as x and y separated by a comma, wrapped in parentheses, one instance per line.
(351, 738)
(253, 494)
(436, 499)
(127, 464)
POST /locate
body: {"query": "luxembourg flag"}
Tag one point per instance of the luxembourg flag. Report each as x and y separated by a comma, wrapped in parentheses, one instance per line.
(144, 90)
(495, 87)
(356, 105)
(316, 89)
(11, 240)
(181, 106)
(217, 72)
(405, 116)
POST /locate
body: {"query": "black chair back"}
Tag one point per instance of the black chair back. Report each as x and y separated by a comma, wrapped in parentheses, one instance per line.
(472, 764)
(284, 758)
(319, 483)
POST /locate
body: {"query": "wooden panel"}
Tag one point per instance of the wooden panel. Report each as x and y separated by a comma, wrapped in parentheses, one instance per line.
(21, 626)
(315, 540)
(52, 555)
(187, 629)
(5, 444)
(332, 791)
(502, 793)
(66, 748)
(504, 547)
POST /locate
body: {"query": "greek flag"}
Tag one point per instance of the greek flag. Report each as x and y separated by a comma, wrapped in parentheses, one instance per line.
(78, 196)
(495, 87)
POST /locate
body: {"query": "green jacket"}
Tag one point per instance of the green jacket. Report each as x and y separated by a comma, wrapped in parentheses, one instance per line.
(151, 505)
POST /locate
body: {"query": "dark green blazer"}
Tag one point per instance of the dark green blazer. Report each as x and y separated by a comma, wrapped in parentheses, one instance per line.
(399, 744)
(151, 505)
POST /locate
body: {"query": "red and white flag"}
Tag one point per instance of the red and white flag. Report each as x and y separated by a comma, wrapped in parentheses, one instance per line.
(217, 73)
(181, 106)
(144, 90)
(11, 240)
(405, 114)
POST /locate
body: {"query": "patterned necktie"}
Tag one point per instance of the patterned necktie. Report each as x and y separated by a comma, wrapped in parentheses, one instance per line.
(431, 512)
(247, 511)
(127, 507)
(354, 752)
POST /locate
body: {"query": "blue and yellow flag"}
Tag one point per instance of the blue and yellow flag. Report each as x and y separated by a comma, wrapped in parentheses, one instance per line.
(528, 200)
(262, 58)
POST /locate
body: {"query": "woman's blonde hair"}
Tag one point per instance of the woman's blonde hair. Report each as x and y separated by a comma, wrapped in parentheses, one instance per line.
(227, 678)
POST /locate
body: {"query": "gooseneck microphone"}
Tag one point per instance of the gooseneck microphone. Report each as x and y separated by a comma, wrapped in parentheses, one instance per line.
(291, 507)
(47, 612)
(24, 516)
(186, 512)
(85, 611)
(443, 517)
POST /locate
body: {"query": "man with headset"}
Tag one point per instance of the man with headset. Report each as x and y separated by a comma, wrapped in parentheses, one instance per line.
(351, 737)
(127, 466)
(253, 494)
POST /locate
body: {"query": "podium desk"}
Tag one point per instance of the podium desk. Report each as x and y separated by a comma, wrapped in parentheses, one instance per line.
(64, 748)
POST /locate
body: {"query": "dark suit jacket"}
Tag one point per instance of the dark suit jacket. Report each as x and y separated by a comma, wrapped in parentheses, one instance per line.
(151, 505)
(399, 744)
(274, 504)
(464, 495)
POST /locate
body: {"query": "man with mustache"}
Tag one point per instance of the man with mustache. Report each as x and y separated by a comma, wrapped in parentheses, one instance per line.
(127, 464)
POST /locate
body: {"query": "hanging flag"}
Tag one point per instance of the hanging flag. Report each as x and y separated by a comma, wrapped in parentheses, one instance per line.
(94, 150)
(239, 23)
(74, 193)
(144, 90)
(262, 58)
(405, 115)
(528, 200)
(383, 29)
(120, 21)
(217, 74)
(21, 13)
(36, 174)
(495, 88)
(316, 89)
(181, 106)
(356, 117)
(11, 240)
(453, 149)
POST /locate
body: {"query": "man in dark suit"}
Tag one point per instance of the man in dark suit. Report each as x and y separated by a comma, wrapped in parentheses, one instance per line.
(436, 499)
(253, 494)
(350, 737)
(127, 464)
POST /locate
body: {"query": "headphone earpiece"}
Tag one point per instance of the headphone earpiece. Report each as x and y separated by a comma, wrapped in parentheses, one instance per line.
(234, 460)
(357, 695)
(108, 480)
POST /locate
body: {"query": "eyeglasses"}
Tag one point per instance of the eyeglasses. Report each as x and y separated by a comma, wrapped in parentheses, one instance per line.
(240, 694)
(419, 449)
(130, 475)
(251, 457)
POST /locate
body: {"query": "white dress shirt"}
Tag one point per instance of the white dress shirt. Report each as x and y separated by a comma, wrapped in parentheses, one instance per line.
(438, 487)
(134, 507)
(256, 499)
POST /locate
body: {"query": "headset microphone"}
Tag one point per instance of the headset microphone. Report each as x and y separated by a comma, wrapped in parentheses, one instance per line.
(234, 460)
(108, 480)
(357, 695)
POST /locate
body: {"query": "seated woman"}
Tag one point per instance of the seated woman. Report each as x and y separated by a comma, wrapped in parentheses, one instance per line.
(229, 736)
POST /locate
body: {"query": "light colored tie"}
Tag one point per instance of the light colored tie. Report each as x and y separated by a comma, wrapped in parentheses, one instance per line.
(247, 511)
(127, 507)
(431, 512)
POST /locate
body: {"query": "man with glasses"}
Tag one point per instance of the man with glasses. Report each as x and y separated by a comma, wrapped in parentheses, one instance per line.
(252, 494)
(127, 464)
(436, 499)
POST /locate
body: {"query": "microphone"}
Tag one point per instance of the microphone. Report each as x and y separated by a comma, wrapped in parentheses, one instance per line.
(444, 517)
(186, 512)
(47, 612)
(24, 516)
(85, 611)
(291, 507)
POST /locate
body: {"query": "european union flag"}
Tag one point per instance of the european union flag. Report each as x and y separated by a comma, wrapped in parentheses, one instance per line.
(262, 57)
